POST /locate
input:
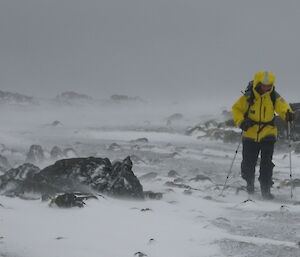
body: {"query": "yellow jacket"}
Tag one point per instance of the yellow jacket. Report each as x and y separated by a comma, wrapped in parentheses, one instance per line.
(262, 109)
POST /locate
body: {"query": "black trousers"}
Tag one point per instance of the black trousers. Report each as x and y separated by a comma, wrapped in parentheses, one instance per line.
(251, 152)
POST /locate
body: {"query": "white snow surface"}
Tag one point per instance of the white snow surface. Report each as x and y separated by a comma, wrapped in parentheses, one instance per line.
(187, 222)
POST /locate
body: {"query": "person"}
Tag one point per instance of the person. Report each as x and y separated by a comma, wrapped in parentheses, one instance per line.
(254, 112)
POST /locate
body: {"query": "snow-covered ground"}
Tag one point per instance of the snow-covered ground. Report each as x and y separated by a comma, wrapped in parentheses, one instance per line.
(191, 220)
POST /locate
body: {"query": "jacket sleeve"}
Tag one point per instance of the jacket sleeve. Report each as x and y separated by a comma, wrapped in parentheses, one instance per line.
(239, 109)
(281, 107)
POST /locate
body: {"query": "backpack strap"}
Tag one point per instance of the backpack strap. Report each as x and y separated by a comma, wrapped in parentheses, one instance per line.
(274, 95)
(249, 93)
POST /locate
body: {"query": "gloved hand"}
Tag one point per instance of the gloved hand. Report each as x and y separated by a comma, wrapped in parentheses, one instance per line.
(246, 124)
(289, 116)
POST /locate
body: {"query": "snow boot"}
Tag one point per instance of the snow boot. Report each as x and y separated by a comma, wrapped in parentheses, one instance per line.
(250, 187)
(266, 193)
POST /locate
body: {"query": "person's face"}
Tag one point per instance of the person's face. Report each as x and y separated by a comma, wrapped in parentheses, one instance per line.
(265, 88)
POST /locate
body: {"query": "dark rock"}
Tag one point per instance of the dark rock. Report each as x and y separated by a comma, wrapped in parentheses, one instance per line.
(114, 147)
(187, 192)
(35, 154)
(125, 98)
(124, 182)
(146, 209)
(172, 184)
(140, 254)
(24, 171)
(56, 123)
(60, 238)
(117, 179)
(18, 180)
(200, 177)
(151, 241)
(173, 174)
(75, 175)
(149, 176)
(56, 153)
(142, 140)
(216, 130)
(169, 190)
(152, 195)
(70, 153)
(178, 180)
(208, 197)
(67, 200)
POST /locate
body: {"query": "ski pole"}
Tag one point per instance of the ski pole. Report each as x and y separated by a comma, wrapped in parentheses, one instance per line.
(290, 156)
(230, 169)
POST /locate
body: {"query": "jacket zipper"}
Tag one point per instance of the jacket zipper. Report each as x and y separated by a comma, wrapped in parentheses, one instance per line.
(259, 118)
(265, 112)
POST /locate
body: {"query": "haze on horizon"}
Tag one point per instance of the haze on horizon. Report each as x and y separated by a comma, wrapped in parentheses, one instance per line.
(188, 50)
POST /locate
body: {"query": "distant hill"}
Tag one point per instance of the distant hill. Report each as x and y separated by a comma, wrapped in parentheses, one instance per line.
(16, 99)
(125, 98)
(71, 97)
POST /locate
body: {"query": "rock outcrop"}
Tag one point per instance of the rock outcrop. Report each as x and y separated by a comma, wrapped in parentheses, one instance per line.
(173, 174)
(35, 154)
(142, 140)
(16, 181)
(74, 175)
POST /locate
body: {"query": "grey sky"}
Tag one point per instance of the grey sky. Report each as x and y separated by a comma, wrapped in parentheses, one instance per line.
(188, 49)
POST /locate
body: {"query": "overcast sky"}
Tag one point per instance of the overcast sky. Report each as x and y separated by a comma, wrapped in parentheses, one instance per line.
(187, 49)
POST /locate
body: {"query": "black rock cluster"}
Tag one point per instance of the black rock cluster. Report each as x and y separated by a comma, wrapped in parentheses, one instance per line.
(84, 175)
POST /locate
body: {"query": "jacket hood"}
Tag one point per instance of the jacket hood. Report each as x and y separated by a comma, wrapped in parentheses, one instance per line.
(264, 77)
